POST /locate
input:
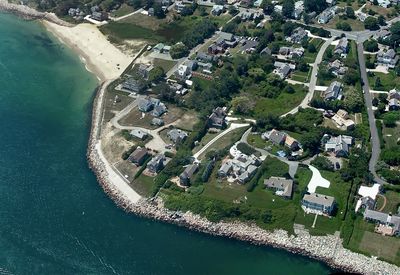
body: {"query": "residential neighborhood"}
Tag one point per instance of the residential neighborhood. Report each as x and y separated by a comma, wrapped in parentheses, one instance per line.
(285, 113)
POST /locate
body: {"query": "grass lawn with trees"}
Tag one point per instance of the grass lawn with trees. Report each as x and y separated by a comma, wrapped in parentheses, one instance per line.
(387, 81)
(280, 105)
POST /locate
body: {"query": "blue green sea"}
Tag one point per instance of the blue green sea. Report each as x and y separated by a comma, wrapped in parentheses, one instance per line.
(54, 217)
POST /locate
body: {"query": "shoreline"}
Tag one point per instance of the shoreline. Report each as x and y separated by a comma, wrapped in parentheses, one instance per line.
(327, 249)
(84, 58)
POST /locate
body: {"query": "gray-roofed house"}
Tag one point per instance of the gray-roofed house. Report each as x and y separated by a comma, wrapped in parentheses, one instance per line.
(225, 169)
(139, 134)
(266, 51)
(337, 68)
(204, 57)
(159, 110)
(387, 224)
(177, 135)
(157, 163)
(138, 156)
(217, 10)
(157, 121)
(276, 137)
(217, 118)
(326, 15)
(319, 203)
(134, 85)
(382, 34)
(283, 187)
(334, 91)
(340, 145)
(145, 104)
(297, 36)
(342, 48)
(387, 58)
(282, 69)
(186, 175)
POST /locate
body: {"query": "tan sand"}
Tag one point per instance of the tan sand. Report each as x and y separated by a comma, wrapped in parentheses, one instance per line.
(100, 56)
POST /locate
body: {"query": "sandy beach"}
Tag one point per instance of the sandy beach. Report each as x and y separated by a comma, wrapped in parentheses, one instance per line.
(100, 56)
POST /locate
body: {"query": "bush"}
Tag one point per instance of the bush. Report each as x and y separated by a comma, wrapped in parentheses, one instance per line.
(323, 163)
(245, 148)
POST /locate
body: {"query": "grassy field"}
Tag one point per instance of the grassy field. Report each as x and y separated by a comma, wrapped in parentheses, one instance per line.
(327, 225)
(280, 105)
(310, 57)
(256, 141)
(392, 202)
(301, 76)
(390, 135)
(165, 64)
(123, 10)
(155, 30)
(143, 185)
(356, 25)
(364, 240)
(207, 138)
(283, 211)
(388, 81)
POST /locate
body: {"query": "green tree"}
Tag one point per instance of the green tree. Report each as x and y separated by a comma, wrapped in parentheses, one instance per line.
(350, 13)
(288, 8)
(371, 45)
(371, 23)
(381, 20)
(156, 74)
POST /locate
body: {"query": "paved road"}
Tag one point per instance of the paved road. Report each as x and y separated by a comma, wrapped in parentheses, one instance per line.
(232, 127)
(376, 148)
(313, 78)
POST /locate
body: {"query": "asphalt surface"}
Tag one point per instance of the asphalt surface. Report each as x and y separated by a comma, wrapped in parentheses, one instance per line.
(376, 148)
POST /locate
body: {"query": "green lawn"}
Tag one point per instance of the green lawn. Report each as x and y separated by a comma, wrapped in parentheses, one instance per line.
(388, 81)
(390, 136)
(392, 202)
(143, 185)
(256, 141)
(165, 64)
(123, 10)
(327, 225)
(356, 25)
(310, 57)
(283, 211)
(301, 76)
(280, 105)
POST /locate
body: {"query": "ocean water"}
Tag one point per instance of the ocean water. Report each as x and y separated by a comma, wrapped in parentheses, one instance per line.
(54, 217)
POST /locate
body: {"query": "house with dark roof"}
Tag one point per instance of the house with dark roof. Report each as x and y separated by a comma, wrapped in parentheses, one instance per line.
(206, 58)
(283, 187)
(159, 110)
(217, 118)
(334, 91)
(318, 203)
(276, 137)
(342, 48)
(187, 174)
(297, 36)
(177, 135)
(157, 163)
(138, 156)
(283, 69)
(134, 85)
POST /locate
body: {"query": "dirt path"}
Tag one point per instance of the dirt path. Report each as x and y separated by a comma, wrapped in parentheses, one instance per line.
(384, 202)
